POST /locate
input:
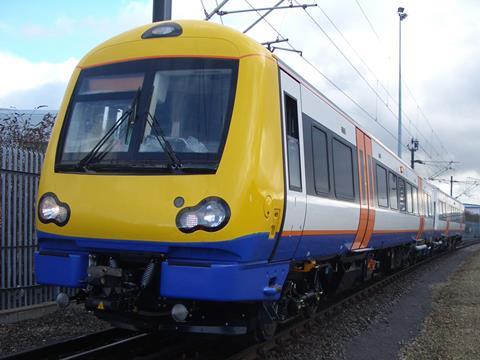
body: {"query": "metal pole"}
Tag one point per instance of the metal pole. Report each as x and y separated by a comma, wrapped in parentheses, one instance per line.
(451, 185)
(401, 16)
(162, 10)
(399, 150)
(413, 146)
(412, 159)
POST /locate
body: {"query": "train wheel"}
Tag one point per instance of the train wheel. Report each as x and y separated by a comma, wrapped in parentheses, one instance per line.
(266, 324)
(310, 309)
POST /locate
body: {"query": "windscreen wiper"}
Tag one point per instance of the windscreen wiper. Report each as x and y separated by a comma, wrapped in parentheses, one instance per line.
(162, 140)
(130, 114)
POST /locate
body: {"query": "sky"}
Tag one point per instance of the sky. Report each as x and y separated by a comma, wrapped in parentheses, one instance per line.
(352, 43)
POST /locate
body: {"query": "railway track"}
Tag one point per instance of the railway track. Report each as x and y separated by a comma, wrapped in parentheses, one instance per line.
(118, 344)
(122, 344)
(259, 351)
(71, 346)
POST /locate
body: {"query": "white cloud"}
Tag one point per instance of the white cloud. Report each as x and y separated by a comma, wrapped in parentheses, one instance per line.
(20, 75)
(49, 94)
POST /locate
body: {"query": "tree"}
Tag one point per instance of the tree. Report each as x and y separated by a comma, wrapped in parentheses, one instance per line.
(18, 129)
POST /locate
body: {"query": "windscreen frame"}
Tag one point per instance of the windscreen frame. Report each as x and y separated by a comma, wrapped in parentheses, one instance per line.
(149, 67)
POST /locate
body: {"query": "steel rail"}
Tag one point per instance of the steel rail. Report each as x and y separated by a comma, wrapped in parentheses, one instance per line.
(108, 349)
(65, 347)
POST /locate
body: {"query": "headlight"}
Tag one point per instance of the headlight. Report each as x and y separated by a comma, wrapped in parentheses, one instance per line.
(50, 209)
(170, 29)
(211, 214)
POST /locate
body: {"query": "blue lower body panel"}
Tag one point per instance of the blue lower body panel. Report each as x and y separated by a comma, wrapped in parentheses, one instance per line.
(223, 282)
(68, 270)
(322, 246)
(381, 241)
(235, 270)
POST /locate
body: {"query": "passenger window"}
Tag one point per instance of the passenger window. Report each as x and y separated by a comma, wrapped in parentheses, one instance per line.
(409, 198)
(393, 191)
(293, 145)
(382, 186)
(370, 177)
(343, 171)
(320, 161)
(402, 196)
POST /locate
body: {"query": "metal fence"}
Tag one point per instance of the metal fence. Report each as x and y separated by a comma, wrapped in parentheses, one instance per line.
(19, 175)
(472, 220)
(472, 229)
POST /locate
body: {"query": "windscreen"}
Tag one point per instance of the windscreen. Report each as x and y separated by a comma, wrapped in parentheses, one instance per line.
(149, 114)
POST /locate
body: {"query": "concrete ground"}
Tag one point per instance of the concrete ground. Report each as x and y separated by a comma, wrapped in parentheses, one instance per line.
(438, 318)
(452, 329)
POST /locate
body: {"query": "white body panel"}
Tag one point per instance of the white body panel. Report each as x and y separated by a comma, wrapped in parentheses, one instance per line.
(295, 200)
(324, 213)
(321, 111)
(307, 216)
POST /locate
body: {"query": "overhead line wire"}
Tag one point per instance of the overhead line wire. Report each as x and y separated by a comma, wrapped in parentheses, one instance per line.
(361, 75)
(369, 22)
(331, 82)
(378, 80)
(408, 89)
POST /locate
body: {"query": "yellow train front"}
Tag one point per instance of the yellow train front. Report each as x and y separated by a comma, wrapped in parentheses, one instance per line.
(162, 190)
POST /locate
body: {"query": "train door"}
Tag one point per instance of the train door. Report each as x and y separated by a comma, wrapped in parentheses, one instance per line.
(421, 210)
(366, 187)
(294, 169)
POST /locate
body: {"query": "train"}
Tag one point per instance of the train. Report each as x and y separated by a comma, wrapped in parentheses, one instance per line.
(194, 182)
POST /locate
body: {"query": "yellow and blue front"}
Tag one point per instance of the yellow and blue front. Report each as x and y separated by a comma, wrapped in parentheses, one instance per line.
(124, 212)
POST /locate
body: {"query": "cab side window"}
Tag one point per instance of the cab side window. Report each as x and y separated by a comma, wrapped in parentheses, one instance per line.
(293, 143)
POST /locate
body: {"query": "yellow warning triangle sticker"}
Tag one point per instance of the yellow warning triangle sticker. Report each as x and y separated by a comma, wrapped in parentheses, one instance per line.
(100, 306)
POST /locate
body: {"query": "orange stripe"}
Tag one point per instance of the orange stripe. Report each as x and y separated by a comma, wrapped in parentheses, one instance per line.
(172, 57)
(363, 218)
(344, 232)
(371, 193)
(292, 233)
(421, 229)
(422, 217)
